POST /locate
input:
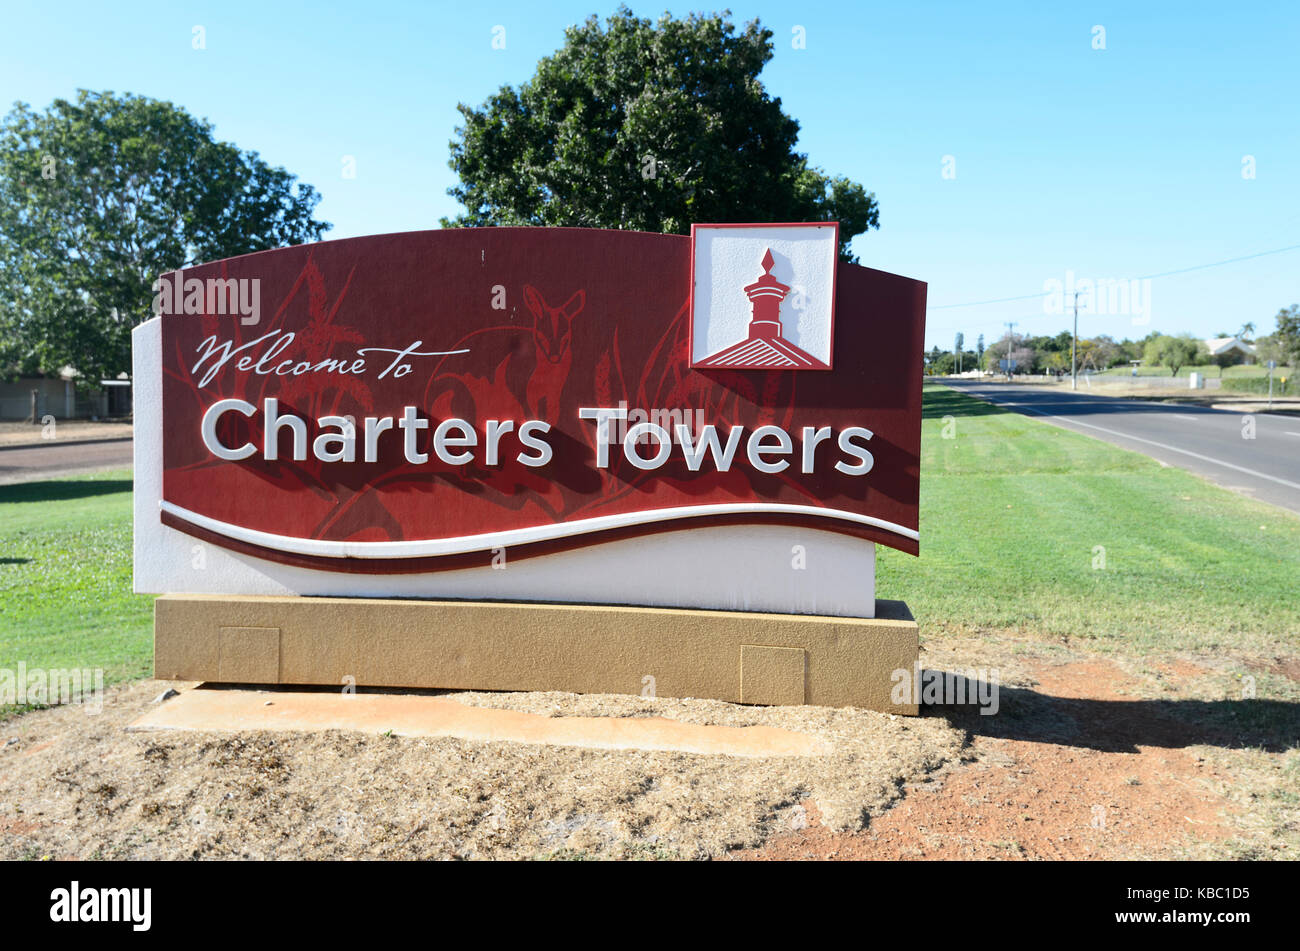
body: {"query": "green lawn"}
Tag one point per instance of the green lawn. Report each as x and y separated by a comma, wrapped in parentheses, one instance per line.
(1015, 514)
(65, 578)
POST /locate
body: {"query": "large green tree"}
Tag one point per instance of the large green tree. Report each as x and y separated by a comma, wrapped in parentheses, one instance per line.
(1174, 353)
(1287, 337)
(100, 196)
(648, 126)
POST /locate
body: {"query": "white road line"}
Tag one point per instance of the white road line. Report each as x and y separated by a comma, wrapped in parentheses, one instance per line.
(1174, 448)
(1160, 445)
(1181, 416)
(1289, 433)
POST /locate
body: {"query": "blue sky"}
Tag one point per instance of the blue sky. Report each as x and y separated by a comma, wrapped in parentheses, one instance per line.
(1102, 163)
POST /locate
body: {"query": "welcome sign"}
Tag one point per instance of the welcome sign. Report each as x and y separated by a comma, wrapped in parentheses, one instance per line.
(454, 402)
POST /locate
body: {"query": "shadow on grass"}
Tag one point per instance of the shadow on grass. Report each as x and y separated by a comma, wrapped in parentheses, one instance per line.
(1121, 726)
(938, 403)
(58, 490)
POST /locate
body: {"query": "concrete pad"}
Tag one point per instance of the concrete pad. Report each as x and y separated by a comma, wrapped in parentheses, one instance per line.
(228, 710)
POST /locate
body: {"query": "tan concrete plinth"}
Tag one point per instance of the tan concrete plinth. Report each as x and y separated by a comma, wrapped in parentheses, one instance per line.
(478, 645)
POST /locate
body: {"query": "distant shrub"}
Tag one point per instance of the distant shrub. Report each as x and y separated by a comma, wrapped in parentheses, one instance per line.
(1259, 384)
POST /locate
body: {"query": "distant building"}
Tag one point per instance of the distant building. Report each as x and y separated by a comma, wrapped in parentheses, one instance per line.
(1230, 350)
(59, 397)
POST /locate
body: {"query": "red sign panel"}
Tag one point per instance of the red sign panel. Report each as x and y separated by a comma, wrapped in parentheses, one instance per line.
(418, 401)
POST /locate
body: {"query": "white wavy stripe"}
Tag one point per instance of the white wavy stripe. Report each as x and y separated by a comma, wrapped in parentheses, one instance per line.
(520, 536)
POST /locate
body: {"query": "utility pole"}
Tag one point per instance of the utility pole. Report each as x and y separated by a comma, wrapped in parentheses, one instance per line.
(1074, 346)
(1011, 327)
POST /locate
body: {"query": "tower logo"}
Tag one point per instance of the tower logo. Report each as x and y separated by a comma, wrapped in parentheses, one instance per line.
(762, 296)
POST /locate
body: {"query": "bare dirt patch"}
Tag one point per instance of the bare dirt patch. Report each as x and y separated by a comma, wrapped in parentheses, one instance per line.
(1103, 758)
(79, 786)
(1089, 756)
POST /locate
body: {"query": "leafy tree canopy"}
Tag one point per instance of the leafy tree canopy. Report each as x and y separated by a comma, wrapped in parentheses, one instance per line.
(100, 196)
(1171, 352)
(1287, 337)
(647, 126)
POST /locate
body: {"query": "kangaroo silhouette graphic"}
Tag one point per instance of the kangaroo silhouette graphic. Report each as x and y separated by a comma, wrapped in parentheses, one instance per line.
(553, 341)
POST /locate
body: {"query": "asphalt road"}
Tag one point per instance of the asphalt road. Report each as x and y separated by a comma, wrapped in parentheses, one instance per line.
(29, 463)
(1208, 442)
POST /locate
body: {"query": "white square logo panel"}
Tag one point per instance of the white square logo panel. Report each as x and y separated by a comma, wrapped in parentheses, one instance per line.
(763, 296)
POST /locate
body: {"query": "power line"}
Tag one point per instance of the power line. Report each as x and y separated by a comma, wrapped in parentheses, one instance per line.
(1202, 267)
(980, 325)
(996, 300)
(1145, 277)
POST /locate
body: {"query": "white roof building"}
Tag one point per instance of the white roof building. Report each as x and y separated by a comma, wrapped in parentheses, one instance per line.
(1221, 345)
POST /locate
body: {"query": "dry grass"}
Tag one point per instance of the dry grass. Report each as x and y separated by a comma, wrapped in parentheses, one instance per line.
(27, 434)
(81, 786)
